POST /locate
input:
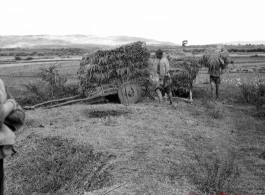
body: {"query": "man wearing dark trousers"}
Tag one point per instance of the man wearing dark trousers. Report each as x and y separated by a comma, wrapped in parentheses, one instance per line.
(164, 84)
(215, 73)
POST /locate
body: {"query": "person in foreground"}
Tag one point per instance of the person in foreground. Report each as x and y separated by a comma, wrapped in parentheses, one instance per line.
(12, 118)
(164, 84)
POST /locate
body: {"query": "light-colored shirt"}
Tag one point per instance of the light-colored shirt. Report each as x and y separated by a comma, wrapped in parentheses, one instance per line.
(162, 66)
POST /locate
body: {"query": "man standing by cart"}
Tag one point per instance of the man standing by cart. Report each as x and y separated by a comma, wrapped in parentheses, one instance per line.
(164, 84)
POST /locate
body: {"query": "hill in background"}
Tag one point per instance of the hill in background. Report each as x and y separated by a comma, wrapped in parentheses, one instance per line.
(53, 41)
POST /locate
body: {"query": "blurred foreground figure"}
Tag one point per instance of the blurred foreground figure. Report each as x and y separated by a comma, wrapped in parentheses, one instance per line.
(12, 118)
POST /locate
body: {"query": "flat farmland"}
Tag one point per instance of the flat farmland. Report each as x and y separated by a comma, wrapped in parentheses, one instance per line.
(18, 73)
(28, 71)
(250, 61)
(152, 145)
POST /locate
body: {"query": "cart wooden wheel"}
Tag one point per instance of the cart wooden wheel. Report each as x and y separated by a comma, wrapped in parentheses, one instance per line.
(129, 93)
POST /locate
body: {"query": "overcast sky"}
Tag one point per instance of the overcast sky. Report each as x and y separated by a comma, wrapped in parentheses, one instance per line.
(198, 21)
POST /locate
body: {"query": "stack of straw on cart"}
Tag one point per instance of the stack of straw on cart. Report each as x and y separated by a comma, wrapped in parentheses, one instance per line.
(114, 67)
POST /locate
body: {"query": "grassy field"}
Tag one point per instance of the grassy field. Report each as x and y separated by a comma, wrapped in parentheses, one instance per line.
(16, 73)
(153, 146)
(22, 74)
(146, 148)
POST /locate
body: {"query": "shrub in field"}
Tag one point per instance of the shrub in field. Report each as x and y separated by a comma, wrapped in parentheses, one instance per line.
(17, 58)
(248, 92)
(253, 92)
(33, 95)
(52, 76)
(29, 58)
(260, 100)
(52, 86)
(53, 165)
(211, 172)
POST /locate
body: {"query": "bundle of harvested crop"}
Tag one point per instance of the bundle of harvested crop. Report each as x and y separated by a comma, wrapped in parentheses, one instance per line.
(183, 71)
(215, 57)
(115, 67)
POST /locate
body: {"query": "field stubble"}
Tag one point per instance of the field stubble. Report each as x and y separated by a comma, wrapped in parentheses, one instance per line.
(152, 143)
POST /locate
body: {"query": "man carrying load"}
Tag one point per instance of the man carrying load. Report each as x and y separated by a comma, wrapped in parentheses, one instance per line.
(164, 84)
(215, 79)
(216, 60)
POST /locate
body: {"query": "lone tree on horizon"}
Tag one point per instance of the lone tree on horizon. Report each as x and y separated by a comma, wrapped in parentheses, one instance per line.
(184, 43)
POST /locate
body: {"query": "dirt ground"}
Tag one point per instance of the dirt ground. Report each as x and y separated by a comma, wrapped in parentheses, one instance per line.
(149, 142)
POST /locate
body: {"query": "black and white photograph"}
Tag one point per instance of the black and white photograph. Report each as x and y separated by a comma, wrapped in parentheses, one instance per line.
(132, 97)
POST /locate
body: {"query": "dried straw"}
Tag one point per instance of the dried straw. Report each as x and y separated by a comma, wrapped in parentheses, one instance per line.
(183, 72)
(215, 57)
(115, 67)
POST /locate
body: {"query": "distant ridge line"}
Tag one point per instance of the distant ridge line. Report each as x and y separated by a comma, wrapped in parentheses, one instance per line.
(29, 41)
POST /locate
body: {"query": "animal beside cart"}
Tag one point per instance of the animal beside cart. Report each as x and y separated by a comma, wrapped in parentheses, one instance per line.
(183, 72)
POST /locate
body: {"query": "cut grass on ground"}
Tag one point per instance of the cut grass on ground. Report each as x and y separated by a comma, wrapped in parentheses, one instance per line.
(153, 144)
(147, 148)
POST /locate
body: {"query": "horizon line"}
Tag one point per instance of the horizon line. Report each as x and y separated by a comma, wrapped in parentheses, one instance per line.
(177, 44)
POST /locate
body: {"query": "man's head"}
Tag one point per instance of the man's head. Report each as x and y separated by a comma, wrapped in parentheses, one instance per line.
(159, 53)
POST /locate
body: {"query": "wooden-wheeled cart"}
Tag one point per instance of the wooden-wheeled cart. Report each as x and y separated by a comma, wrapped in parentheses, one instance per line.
(128, 93)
